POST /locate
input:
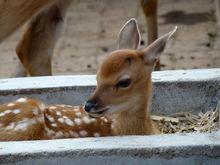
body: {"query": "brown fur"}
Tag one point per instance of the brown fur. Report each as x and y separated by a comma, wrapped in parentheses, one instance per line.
(38, 130)
(33, 132)
(129, 121)
(124, 84)
(35, 48)
(150, 10)
(126, 107)
(39, 39)
(14, 15)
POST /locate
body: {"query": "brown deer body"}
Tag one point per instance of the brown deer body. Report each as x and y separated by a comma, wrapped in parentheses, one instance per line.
(119, 105)
(30, 119)
(35, 49)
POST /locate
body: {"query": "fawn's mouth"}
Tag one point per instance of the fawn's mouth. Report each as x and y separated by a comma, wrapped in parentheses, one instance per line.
(98, 113)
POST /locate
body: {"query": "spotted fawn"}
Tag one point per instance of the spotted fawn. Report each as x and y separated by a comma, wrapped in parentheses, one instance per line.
(119, 105)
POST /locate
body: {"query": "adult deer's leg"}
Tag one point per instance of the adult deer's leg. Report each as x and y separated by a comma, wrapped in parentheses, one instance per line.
(14, 13)
(35, 48)
(150, 10)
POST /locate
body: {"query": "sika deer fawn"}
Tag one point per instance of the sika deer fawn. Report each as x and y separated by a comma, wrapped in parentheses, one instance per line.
(119, 105)
(123, 90)
(35, 49)
(30, 119)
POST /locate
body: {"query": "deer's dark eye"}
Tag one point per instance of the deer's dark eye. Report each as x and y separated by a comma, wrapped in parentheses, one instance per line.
(123, 83)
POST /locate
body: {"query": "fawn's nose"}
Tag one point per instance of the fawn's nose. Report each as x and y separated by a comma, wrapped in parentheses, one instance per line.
(90, 104)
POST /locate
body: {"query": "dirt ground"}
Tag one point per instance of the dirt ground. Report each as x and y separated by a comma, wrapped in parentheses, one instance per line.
(91, 29)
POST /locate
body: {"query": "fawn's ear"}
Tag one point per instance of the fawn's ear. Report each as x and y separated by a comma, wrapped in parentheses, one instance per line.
(154, 50)
(129, 35)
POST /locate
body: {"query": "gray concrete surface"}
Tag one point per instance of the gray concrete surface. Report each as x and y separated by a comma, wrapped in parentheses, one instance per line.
(92, 27)
(191, 149)
(174, 91)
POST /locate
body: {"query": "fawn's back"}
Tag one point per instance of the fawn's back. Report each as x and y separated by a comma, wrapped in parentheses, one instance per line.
(29, 119)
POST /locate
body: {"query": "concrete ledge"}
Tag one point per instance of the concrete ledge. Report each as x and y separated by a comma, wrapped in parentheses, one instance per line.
(192, 149)
(174, 91)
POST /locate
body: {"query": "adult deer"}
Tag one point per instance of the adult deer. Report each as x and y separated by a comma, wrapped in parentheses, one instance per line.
(35, 49)
(119, 105)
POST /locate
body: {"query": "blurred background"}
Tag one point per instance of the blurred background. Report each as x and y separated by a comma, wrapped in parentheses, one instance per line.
(91, 29)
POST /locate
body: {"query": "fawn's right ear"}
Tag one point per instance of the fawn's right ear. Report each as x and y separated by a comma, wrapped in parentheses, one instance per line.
(154, 50)
(129, 36)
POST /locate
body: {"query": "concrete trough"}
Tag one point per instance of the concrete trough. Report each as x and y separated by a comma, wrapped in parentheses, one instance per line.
(174, 91)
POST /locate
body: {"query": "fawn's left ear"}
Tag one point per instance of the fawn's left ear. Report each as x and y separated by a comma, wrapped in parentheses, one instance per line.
(129, 36)
(154, 50)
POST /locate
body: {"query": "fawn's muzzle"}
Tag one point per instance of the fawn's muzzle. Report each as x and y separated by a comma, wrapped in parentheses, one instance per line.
(90, 105)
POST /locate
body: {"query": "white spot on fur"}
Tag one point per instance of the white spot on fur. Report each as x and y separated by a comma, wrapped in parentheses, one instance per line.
(8, 111)
(65, 117)
(24, 124)
(69, 122)
(76, 110)
(10, 126)
(58, 134)
(93, 120)
(49, 132)
(21, 100)
(83, 133)
(52, 107)
(16, 111)
(61, 120)
(10, 104)
(64, 110)
(54, 124)
(78, 121)
(2, 114)
(66, 134)
(96, 134)
(58, 113)
(5, 112)
(86, 119)
(78, 114)
(104, 119)
(73, 134)
(50, 118)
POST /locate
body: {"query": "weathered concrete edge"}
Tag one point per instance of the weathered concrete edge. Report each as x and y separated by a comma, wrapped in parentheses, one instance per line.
(145, 147)
(57, 82)
(174, 91)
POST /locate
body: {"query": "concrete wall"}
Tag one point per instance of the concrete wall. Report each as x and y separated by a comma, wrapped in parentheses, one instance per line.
(174, 91)
(190, 149)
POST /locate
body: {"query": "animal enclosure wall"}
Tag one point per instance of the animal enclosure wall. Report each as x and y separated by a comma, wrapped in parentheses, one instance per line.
(174, 91)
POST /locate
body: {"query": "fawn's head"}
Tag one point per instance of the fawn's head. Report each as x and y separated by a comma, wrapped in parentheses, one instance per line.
(124, 75)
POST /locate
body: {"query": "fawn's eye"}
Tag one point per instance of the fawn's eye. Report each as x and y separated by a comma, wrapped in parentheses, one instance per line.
(123, 83)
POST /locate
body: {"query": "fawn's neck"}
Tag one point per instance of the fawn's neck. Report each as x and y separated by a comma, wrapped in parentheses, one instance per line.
(135, 120)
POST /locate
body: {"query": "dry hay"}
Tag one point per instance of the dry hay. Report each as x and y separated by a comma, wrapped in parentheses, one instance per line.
(186, 122)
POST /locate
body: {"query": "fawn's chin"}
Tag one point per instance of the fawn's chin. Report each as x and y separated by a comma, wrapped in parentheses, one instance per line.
(98, 113)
